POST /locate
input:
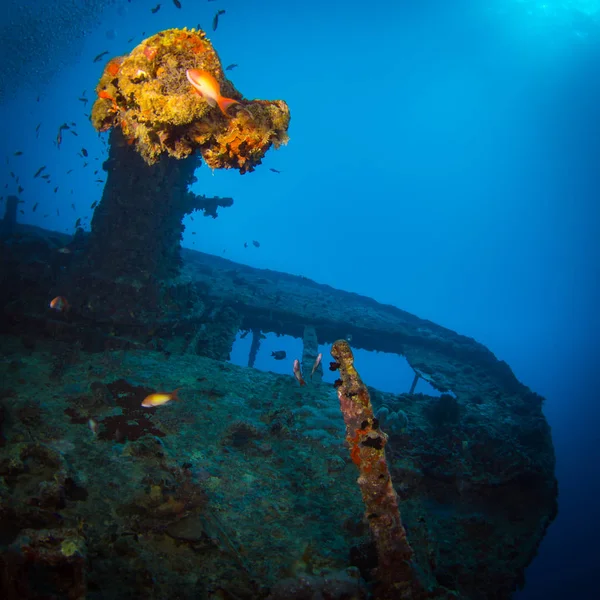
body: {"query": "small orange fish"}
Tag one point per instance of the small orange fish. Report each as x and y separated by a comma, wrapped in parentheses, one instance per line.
(298, 373)
(59, 304)
(209, 88)
(160, 398)
(317, 363)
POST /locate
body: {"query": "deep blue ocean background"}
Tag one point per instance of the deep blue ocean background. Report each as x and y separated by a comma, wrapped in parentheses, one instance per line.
(450, 147)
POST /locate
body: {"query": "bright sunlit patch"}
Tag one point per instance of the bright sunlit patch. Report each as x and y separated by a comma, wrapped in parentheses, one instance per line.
(558, 21)
(268, 357)
(381, 370)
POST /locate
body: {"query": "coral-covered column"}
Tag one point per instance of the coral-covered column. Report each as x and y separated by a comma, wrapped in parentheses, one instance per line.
(136, 228)
(395, 574)
(168, 103)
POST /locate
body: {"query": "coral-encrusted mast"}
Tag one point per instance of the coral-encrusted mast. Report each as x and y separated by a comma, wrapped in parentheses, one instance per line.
(161, 102)
(395, 574)
(152, 95)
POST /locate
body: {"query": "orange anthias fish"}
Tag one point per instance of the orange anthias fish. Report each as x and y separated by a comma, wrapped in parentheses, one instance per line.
(59, 304)
(206, 85)
(160, 398)
(298, 373)
(317, 363)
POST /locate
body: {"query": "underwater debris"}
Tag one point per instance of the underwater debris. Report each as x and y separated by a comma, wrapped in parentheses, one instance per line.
(148, 96)
(395, 577)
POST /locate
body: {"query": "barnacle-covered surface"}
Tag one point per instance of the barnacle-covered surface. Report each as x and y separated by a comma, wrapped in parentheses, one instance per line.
(148, 96)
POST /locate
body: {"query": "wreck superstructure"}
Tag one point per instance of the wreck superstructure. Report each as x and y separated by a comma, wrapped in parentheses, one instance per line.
(473, 468)
(245, 488)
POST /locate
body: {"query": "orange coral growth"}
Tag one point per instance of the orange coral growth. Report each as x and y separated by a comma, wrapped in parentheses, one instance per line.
(355, 447)
(355, 454)
(394, 576)
(152, 90)
(191, 42)
(113, 66)
(150, 52)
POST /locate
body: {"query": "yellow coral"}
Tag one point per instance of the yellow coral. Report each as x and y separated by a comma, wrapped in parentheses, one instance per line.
(147, 94)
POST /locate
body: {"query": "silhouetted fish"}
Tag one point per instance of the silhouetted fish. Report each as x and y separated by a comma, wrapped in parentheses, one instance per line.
(216, 19)
(99, 56)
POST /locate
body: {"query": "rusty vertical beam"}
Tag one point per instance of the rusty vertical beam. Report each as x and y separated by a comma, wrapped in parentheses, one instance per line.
(414, 383)
(395, 575)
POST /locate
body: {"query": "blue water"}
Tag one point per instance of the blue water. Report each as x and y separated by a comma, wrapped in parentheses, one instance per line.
(451, 147)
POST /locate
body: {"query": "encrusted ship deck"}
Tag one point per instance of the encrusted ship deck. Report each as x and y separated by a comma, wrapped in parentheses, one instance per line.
(247, 482)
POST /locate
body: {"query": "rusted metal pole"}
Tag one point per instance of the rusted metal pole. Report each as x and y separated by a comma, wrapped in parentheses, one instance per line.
(395, 575)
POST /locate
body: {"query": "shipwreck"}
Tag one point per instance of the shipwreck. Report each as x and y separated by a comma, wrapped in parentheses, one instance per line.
(247, 487)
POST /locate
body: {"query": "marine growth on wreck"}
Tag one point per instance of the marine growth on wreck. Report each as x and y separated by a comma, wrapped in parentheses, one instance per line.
(136, 461)
(147, 94)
